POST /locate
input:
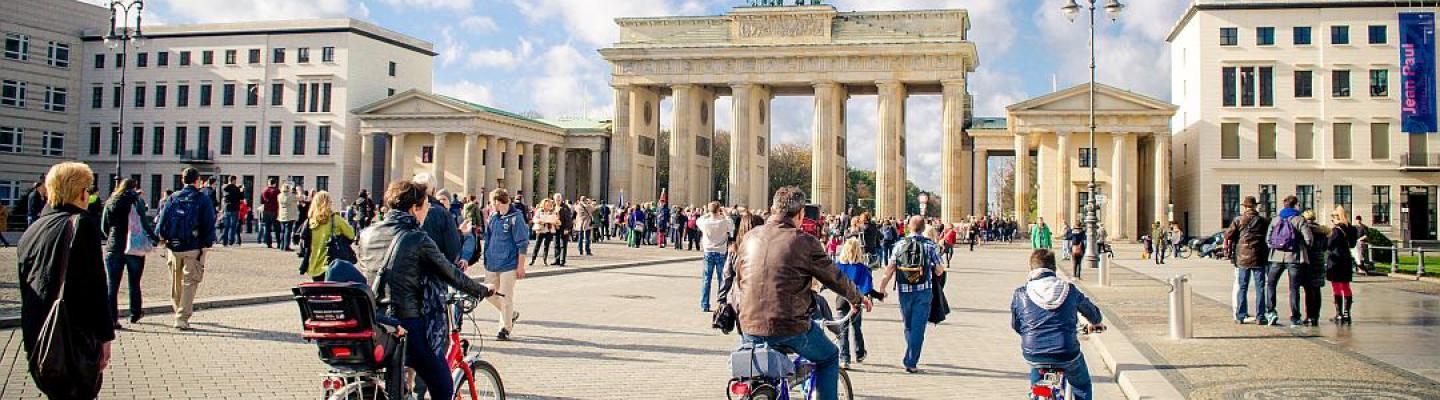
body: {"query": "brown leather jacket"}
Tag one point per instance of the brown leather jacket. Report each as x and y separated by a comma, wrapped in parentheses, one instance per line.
(1246, 240)
(776, 265)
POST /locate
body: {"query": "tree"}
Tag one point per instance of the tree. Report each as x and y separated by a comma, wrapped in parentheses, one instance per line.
(662, 160)
(790, 166)
(1007, 190)
(860, 193)
(720, 162)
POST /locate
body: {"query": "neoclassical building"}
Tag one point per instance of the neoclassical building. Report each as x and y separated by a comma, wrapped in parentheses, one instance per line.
(473, 148)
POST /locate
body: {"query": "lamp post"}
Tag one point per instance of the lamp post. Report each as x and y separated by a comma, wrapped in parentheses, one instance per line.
(123, 35)
(1092, 223)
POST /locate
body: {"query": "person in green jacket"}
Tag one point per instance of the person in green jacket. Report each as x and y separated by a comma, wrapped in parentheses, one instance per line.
(321, 223)
(1040, 235)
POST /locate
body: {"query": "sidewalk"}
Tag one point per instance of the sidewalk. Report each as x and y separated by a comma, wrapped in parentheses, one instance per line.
(1390, 350)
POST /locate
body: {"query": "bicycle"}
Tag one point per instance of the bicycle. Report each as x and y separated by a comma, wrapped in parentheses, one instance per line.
(777, 379)
(1052, 384)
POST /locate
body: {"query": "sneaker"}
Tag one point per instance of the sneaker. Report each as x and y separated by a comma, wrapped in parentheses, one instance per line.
(182, 325)
(860, 358)
(503, 336)
(135, 318)
(913, 370)
(705, 309)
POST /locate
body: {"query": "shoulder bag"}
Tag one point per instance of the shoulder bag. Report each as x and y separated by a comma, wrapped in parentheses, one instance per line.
(136, 242)
(65, 363)
(339, 247)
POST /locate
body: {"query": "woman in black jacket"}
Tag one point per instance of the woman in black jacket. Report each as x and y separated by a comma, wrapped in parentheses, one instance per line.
(1340, 263)
(115, 222)
(66, 238)
(413, 275)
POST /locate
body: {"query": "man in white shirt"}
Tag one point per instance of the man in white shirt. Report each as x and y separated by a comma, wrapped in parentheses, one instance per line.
(715, 229)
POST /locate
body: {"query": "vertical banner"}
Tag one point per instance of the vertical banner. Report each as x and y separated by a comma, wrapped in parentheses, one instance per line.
(1417, 72)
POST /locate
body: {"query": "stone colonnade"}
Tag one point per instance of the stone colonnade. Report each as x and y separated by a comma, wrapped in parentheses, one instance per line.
(473, 163)
(1131, 168)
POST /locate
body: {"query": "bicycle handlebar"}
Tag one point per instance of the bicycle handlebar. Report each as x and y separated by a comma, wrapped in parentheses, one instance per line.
(854, 310)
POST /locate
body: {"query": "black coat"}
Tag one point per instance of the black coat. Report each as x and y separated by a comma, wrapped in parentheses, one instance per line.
(115, 222)
(414, 258)
(441, 228)
(85, 292)
(1339, 262)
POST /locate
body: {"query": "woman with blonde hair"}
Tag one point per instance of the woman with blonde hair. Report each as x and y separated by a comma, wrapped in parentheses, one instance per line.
(60, 259)
(547, 222)
(322, 224)
(1339, 262)
(851, 261)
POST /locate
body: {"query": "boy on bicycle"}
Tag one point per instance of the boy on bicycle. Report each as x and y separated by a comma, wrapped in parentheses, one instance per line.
(1044, 312)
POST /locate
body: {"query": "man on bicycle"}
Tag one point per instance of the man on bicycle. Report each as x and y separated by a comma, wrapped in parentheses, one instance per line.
(773, 272)
(1044, 313)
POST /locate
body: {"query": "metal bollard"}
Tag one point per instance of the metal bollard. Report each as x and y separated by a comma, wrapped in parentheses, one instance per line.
(1420, 265)
(1104, 271)
(1181, 324)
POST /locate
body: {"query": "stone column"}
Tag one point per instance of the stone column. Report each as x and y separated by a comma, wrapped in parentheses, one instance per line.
(702, 180)
(527, 171)
(645, 131)
(467, 173)
(1119, 200)
(955, 162)
(1162, 175)
(399, 163)
(492, 163)
(829, 109)
(890, 160)
(437, 160)
(738, 187)
(1066, 181)
(981, 180)
(560, 166)
(595, 174)
(512, 166)
(1022, 169)
(543, 186)
(760, 189)
(622, 148)
(682, 143)
(367, 161)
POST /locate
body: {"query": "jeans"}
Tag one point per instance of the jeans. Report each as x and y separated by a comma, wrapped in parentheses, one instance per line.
(1077, 374)
(1065, 255)
(116, 264)
(583, 240)
(562, 248)
(268, 229)
(853, 329)
(287, 228)
(713, 263)
(430, 367)
(915, 313)
(1303, 280)
(1272, 283)
(814, 346)
(1159, 255)
(1244, 276)
(231, 232)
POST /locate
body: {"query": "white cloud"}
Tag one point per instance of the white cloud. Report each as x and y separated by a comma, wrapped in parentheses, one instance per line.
(480, 24)
(468, 91)
(449, 49)
(593, 22)
(187, 11)
(431, 4)
(568, 83)
(1130, 54)
(502, 58)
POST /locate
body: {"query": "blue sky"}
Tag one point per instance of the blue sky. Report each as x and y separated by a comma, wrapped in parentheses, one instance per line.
(539, 55)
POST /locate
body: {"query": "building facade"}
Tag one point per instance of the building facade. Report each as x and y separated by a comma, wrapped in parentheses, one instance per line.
(40, 87)
(261, 101)
(1302, 98)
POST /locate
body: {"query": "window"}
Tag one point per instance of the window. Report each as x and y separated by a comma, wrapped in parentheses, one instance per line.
(139, 96)
(58, 55)
(1229, 36)
(160, 95)
(313, 97)
(97, 96)
(1229, 203)
(1267, 200)
(427, 154)
(1266, 137)
(227, 140)
(323, 140)
(647, 146)
(227, 97)
(12, 93)
(10, 192)
(11, 139)
(230, 57)
(252, 94)
(389, 91)
(302, 54)
(1087, 157)
(57, 99)
(300, 100)
(322, 182)
(205, 92)
(1265, 36)
(298, 181)
(95, 140)
(250, 138)
(298, 144)
(1304, 141)
(327, 54)
(1418, 149)
(1339, 35)
(115, 140)
(207, 57)
(1302, 35)
(182, 140)
(702, 146)
(185, 58)
(1380, 141)
(1228, 86)
(1247, 86)
(253, 56)
(1340, 83)
(1306, 195)
(155, 189)
(1267, 86)
(274, 142)
(17, 46)
(117, 94)
(137, 140)
(202, 142)
(142, 60)
(1304, 84)
(392, 68)
(1342, 141)
(182, 96)
(1344, 198)
(1379, 83)
(1377, 34)
(1230, 141)
(279, 56)
(277, 93)
(1380, 205)
(99, 61)
(157, 143)
(325, 97)
(119, 60)
(162, 59)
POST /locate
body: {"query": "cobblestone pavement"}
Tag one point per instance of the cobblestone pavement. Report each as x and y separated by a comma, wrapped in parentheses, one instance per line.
(254, 269)
(1387, 354)
(621, 333)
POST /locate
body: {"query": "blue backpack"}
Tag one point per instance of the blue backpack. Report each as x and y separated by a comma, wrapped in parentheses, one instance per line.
(179, 220)
(1283, 236)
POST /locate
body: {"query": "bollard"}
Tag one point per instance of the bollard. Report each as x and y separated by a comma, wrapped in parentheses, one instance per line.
(1420, 265)
(1104, 271)
(1181, 325)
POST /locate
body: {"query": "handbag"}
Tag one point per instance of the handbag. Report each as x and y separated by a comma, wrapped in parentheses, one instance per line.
(725, 317)
(339, 247)
(64, 363)
(136, 242)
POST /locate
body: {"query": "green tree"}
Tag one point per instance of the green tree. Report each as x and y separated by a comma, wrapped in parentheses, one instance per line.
(790, 166)
(720, 162)
(662, 161)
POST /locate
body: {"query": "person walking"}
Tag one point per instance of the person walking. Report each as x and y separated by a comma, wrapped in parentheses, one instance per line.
(1066, 241)
(186, 226)
(919, 260)
(270, 214)
(1289, 242)
(564, 230)
(1040, 235)
(546, 222)
(852, 262)
(1045, 311)
(4, 225)
(1159, 243)
(1077, 247)
(1245, 243)
(1340, 263)
(506, 238)
(231, 195)
(365, 207)
(288, 212)
(125, 254)
(62, 290)
(715, 229)
(320, 226)
(584, 226)
(1362, 247)
(35, 201)
(678, 220)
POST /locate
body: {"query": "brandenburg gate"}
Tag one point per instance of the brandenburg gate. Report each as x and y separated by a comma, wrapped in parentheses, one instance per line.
(755, 53)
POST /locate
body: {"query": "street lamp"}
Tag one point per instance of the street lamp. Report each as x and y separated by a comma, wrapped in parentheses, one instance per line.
(122, 36)
(1092, 223)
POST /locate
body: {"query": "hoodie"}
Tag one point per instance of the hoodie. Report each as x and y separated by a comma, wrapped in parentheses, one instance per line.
(1045, 312)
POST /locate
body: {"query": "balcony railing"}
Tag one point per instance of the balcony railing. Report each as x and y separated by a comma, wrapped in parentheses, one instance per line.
(197, 156)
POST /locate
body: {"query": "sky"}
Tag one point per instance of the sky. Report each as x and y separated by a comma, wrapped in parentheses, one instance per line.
(540, 55)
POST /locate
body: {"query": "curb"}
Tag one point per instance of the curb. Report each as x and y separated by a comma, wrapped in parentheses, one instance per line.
(1134, 373)
(276, 297)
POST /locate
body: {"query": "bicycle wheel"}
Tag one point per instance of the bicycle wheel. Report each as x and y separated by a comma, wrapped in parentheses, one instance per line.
(842, 389)
(488, 385)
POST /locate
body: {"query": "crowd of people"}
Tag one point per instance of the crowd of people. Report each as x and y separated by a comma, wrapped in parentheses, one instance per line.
(1298, 245)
